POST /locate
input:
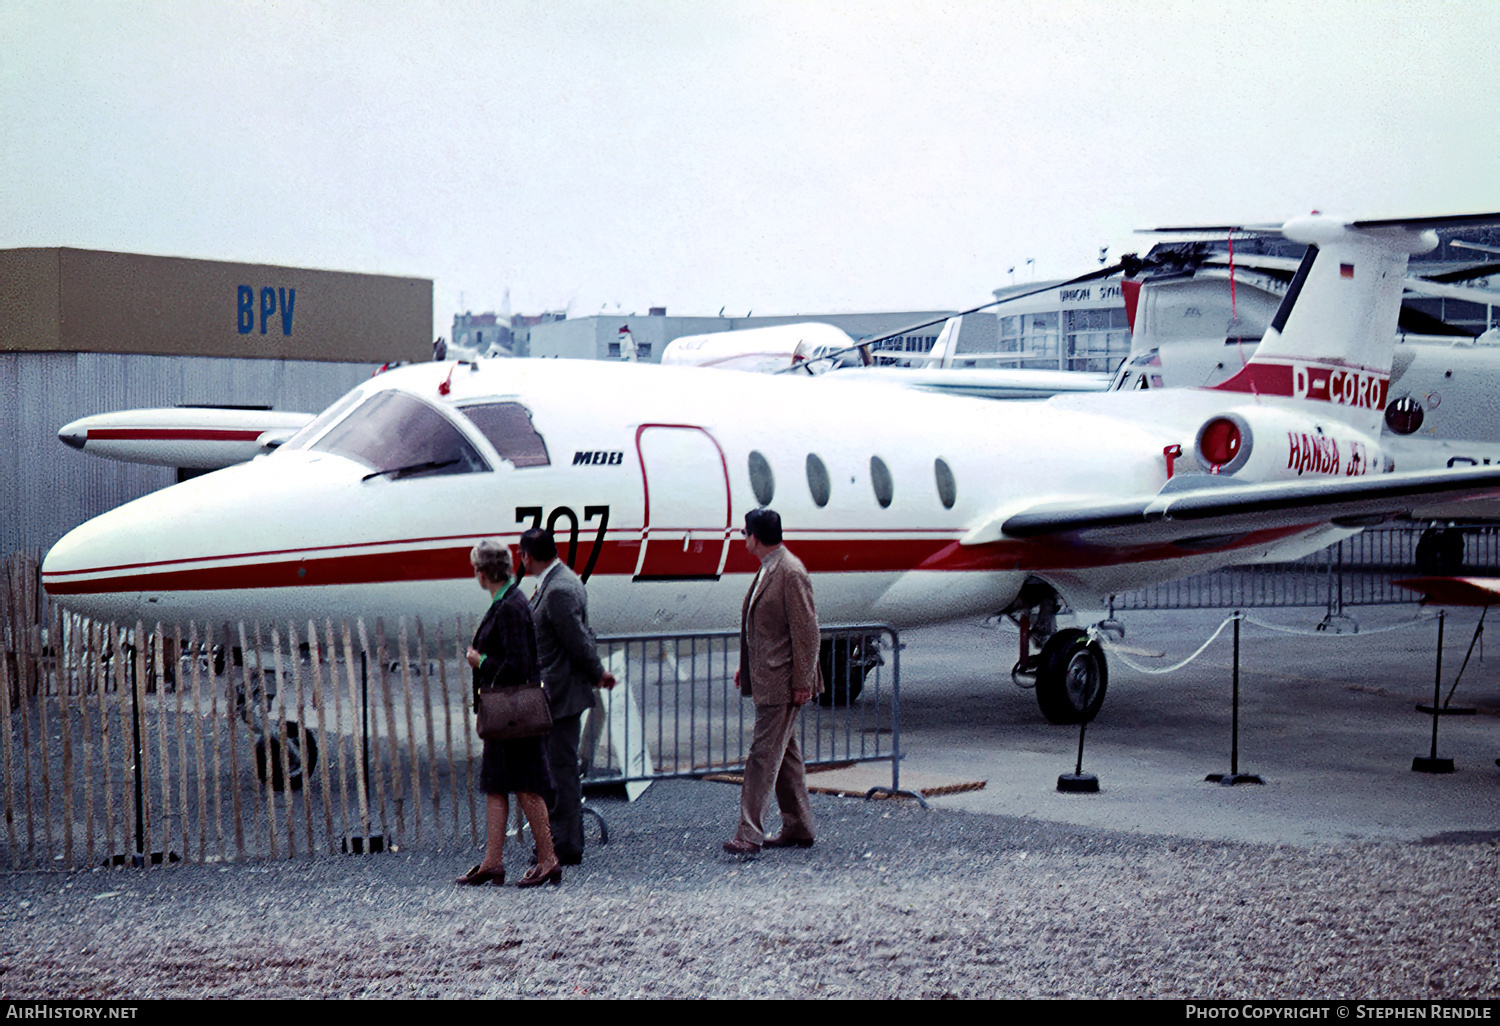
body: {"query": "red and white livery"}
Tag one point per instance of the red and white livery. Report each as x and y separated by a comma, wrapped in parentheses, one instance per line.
(906, 507)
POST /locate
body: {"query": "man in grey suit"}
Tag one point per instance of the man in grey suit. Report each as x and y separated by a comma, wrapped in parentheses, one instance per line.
(571, 670)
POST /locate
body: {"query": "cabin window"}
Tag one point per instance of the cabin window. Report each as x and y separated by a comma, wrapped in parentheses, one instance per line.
(880, 481)
(398, 434)
(947, 488)
(762, 481)
(817, 480)
(508, 428)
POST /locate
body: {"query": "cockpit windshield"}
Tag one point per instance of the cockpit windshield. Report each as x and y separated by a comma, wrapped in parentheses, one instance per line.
(302, 439)
(397, 434)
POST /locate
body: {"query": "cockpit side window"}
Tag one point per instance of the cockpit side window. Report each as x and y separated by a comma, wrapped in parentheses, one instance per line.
(509, 429)
(397, 434)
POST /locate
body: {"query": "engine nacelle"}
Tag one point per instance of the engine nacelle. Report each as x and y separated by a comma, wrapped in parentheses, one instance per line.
(1267, 444)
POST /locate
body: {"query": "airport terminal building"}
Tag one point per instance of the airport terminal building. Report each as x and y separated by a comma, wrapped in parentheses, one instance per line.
(85, 332)
(599, 337)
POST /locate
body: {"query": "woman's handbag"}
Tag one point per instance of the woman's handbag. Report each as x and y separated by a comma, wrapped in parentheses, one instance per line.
(507, 713)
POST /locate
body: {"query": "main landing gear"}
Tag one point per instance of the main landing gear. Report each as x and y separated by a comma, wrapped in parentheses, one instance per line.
(845, 662)
(1071, 677)
(1067, 669)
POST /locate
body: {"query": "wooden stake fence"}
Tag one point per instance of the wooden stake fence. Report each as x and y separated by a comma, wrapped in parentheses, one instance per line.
(218, 732)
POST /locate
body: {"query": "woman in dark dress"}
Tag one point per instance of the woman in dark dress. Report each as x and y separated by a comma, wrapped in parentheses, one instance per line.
(504, 655)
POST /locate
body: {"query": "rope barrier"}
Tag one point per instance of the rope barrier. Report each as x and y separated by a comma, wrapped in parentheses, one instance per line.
(1315, 633)
(1102, 637)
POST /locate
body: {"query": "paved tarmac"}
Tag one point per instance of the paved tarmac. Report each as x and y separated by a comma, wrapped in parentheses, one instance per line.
(1315, 885)
(1327, 720)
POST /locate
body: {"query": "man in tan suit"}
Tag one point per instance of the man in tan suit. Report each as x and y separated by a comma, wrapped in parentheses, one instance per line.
(779, 671)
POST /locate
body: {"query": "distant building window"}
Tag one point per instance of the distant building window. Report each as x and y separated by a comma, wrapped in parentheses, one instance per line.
(762, 481)
(1096, 340)
(643, 349)
(508, 428)
(947, 488)
(880, 481)
(817, 480)
(614, 350)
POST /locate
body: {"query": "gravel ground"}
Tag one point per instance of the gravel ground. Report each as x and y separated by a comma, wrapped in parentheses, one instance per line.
(894, 901)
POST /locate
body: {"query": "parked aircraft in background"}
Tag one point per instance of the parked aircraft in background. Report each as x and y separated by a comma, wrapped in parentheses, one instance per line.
(762, 350)
(1198, 315)
(907, 507)
(190, 437)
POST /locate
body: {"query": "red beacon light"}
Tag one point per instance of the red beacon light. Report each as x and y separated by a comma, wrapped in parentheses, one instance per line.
(1222, 445)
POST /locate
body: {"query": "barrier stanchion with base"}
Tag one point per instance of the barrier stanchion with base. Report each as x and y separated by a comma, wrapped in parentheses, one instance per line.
(1079, 782)
(895, 791)
(139, 858)
(1234, 776)
(1448, 708)
(1431, 763)
(371, 843)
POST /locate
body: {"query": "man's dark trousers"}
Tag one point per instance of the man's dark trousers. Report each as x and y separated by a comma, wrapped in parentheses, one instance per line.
(566, 813)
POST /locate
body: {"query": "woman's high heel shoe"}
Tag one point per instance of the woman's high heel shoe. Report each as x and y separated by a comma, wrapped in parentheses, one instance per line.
(535, 878)
(474, 877)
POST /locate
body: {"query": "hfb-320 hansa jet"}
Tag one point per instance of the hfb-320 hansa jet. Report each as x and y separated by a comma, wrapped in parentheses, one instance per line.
(907, 507)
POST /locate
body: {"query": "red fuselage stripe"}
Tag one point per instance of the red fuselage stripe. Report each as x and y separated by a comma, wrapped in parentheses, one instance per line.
(619, 558)
(174, 434)
(1343, 386)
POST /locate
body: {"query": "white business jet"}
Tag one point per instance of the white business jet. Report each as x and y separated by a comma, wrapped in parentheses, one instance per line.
(907, 507)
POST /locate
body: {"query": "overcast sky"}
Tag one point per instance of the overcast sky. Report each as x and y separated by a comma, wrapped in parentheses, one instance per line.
(781, 157)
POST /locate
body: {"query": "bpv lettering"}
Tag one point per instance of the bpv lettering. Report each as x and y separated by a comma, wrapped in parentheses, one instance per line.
(281, 301)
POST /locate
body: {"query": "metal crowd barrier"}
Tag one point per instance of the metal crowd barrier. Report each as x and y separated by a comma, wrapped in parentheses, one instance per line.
(1357, 571)
(677, 713)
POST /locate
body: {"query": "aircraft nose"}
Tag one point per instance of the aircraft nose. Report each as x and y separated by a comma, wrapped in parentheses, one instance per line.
(73, 434)
(103, 567)
(89, 566)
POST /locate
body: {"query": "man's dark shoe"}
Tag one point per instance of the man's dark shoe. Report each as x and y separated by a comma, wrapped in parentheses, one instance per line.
(735, 846)
(783, 841)
(570, 859)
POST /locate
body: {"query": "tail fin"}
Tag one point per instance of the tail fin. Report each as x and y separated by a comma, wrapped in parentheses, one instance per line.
(941, 353)
(1334, 335)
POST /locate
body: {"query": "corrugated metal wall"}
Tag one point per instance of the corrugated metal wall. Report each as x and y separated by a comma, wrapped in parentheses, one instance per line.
(46, 488)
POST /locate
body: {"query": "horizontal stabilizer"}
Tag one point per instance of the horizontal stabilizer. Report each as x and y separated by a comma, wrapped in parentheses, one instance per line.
(1275, 228)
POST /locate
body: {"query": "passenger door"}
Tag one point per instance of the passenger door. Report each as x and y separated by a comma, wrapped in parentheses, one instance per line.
(686, 483)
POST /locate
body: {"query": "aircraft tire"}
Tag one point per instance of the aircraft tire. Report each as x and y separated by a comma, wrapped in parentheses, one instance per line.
(845, 663)
(1071, 678)
(1440, 552)
(303, 756)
